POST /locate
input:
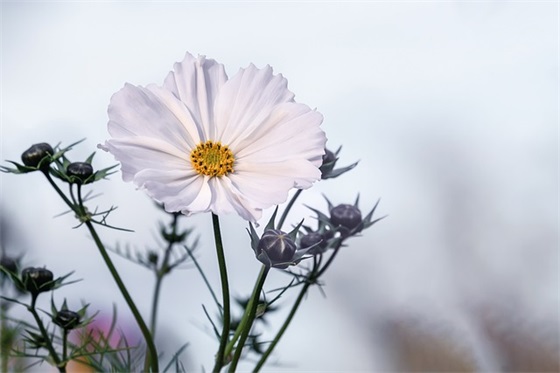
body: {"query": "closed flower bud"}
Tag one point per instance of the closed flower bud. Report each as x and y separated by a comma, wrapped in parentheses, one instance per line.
(79, 172)
(276, 249)
(37, 280)
(348, 217)
(67, 319)
(329, 160)
(32, 157)
(9, 264)
(311, 239)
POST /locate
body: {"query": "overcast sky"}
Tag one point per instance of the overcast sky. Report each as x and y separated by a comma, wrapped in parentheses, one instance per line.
(451, 108)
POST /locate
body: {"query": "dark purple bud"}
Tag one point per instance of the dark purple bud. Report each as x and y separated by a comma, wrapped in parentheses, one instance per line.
(79, 171)
(329, 159)
(276, 249)
(33, 156)
(37, 280)
(9, 264)
(346, 216)
(67, 319)
(315, 239)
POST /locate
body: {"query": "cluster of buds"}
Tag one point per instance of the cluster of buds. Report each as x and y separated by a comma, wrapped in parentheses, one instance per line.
(344, 221)
(43, 157)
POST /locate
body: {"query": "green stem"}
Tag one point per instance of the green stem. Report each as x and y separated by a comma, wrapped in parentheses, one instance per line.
(61, 194)
(284, 327)
(242, 323)
(312, 278)
(153, 357)
(48, 343)
(4, 347)
(160, 274)
(250, 317)
(288, 208)
(64, 344)
(329, 261)
(225, 294)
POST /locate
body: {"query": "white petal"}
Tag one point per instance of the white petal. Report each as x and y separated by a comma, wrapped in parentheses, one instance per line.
(227, 199)
(139, 153)
(246, 100)
(181, 112)
(267, 184)
(136, 111)
(290, 132)
(196, 82)
(177, 190)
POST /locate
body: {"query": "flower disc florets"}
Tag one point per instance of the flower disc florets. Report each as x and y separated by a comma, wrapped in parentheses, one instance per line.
(276, 249)
(212, 159)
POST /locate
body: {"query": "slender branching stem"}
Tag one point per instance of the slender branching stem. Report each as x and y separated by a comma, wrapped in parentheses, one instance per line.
(225, 294)
(288, 208)
(312, 278)
(152, 357)
(160, 274)
(285, 325)
(249, 317)
(61, 365)
(61, 194)
(64, 344)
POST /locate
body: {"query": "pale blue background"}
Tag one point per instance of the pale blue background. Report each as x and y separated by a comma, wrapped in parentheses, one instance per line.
(451, 108)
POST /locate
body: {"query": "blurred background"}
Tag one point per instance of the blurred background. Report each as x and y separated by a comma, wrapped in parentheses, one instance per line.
(450, 107)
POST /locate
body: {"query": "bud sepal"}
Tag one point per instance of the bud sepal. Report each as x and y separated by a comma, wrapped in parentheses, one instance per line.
(328, 170)
(276, 248)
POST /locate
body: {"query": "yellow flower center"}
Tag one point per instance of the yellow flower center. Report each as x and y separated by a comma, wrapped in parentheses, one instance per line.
(212, 159)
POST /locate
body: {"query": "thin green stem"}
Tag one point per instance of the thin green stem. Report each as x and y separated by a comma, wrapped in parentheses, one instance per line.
(288, 208)
(312, 278)
(160, 274)
(242, 323)
(64, 344)
(287, 322)
(329, 261)
(205, 279)
(48, 343)
(61, 194)
(225, 294)
(152, 359)
(5, 346)
(252, 307)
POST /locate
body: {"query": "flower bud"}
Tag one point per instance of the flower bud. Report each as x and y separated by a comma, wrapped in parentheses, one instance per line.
(276, 249)
(349, 217)
(67, 319)
(329, 159)
(37, 280)
(79, 172)
(153, 258)
(9, 264)
(32, 157)
(311, 239)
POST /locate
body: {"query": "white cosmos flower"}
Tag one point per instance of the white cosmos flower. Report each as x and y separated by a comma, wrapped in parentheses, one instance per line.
(203, 142)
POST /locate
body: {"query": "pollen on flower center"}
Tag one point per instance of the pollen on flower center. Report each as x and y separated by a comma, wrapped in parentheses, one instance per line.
(212, 159)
